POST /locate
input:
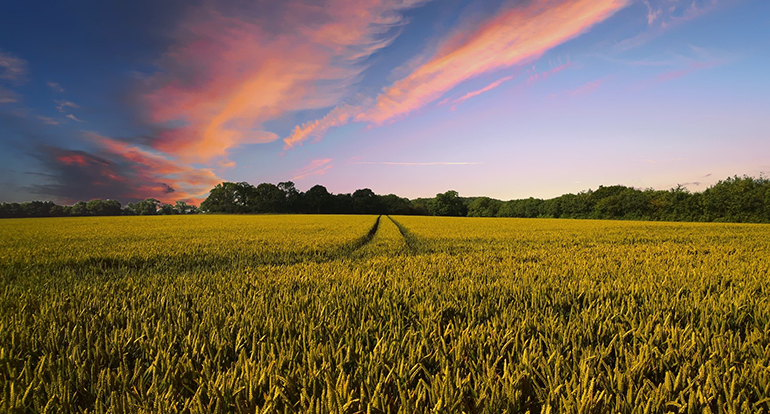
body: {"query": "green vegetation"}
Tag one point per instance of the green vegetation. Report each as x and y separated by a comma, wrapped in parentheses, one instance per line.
(360, 314)
(736, 199)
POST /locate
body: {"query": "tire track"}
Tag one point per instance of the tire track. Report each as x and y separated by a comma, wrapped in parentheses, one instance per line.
(363, 241)
(412, 242)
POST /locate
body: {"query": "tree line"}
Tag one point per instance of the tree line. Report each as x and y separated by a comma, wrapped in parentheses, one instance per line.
(97, 207)
(735, 199)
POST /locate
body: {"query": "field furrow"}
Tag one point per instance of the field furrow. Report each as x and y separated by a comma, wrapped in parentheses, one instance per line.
(387, 241)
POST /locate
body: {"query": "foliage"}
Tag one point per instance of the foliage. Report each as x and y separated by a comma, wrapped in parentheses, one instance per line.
(736, 199)
(231, 198)
(447, 204)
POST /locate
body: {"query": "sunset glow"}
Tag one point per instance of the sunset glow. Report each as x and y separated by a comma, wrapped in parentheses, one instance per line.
(504, 98)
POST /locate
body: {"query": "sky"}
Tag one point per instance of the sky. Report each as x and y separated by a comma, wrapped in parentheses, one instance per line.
(504, 98)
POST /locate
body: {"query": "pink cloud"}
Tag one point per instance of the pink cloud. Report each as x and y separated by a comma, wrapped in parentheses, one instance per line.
(154, 174)
(537, 76)
(587, 88)
(73, 159)
(478, 92)
(515, 37)
(652, 13)
(689, 68)
(420, 164)
(316, 167)
(337, 117)
(227, 75)
(678, 73)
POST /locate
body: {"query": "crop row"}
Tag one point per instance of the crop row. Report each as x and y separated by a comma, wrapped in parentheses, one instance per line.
(426, 315)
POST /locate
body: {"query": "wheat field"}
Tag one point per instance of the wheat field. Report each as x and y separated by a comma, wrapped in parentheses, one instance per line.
(367, 314)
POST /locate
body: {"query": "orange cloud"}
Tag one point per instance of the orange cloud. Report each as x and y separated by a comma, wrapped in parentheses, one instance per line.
(536, 76)
(512, 38)
(515, 37)
(156, 175)
(478, 92)
(227, 75)
(316, 167)
(340, 115)
(73, 159)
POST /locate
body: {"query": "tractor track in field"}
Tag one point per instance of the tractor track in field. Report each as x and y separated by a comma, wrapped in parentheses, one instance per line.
(412, 244)
(411, 240)
(363, 241)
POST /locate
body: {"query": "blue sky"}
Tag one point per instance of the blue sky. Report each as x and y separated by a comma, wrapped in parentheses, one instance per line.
(509, 99)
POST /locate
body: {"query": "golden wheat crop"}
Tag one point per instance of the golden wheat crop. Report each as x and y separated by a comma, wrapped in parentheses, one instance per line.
(351, 314)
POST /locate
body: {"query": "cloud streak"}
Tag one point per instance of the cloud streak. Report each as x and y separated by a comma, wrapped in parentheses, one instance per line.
(316, 167)
(586, 88)
(55, 87)
(155, 173)
(339, 116)
(7, 96)
(662, 15)
(478, 92)
(226, 75)
(517, 36)
(47, 120)
(419, 164)
(538, 76)
(63, 105)
(12, 68)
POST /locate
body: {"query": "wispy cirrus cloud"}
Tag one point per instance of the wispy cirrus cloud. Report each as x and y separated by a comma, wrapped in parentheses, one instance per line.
(8, 96)
(63, 105)
(662, 15)
(688, 69)
(55, 87)
(416, 164)
(226, 75)
(661, 161)
(478, 92)
(535, 75)
(339, 116)
(694, 60)
(12, 68)
(47, 120)
(653, 13)
(514, 37)
(587, 88)
(315, 167)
